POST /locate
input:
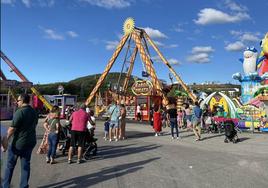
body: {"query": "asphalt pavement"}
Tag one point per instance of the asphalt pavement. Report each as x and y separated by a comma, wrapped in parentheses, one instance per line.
(144, 161)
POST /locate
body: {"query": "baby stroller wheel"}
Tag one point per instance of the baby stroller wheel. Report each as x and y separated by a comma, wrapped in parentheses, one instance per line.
(87, 156)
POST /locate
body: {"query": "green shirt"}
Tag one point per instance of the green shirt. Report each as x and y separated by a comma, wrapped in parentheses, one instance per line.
(24, 121)
(53, 124)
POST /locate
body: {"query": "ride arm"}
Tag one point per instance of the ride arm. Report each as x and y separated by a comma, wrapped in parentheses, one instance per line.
(192, 96)
(133, 57)
(107, 69)
(23, 78)
(150, 69)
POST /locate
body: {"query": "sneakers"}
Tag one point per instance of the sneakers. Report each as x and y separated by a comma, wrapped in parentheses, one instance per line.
(69, 161)
(178, 137)
(47, 160)
(156, 134)
(78, 161)
(110, 140)
(172, 137)
(52, 161)
(116, 139)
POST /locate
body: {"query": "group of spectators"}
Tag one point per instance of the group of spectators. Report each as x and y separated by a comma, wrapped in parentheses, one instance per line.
(175, 119)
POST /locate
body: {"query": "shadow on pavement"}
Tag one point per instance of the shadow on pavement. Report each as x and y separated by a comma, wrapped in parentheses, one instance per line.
(104, 174)
(136, 134)
(243, 139)
(118, 151)
(213, 136)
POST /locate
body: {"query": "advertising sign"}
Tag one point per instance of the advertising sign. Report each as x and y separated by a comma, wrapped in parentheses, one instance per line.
(142, 87)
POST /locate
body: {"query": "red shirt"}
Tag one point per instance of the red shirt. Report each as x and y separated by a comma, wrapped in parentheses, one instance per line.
(79, 120)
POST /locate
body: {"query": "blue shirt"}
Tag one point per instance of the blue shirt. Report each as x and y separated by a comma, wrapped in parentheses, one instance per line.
(197, 111)
(114, 111)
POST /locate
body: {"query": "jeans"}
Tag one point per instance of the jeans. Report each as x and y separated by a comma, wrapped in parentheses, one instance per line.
(25, 158)
(174, 124)
(52, 145)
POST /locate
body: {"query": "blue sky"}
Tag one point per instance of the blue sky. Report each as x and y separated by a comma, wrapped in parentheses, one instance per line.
(60, 40)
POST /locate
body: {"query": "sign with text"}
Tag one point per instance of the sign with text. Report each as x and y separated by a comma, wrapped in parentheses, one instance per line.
(142, 87)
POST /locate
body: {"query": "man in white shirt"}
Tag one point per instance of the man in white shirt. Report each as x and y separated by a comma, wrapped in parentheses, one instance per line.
(139, 116)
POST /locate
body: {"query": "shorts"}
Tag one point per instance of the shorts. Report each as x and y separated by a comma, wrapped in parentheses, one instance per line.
(114, 124)
(78, 137)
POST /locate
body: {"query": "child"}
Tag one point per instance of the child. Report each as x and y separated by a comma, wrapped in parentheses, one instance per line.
(106, 128)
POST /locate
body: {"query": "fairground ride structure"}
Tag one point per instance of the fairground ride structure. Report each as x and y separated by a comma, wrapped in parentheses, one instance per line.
(140, 38)
(24, 79)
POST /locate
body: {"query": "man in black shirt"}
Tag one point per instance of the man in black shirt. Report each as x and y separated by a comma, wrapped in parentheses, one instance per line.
(24, 139)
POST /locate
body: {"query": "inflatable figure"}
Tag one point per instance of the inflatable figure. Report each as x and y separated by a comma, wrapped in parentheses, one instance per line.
(250, 60)
(263, 65)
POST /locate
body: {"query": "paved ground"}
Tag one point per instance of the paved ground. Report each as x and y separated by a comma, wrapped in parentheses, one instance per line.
(147, 161)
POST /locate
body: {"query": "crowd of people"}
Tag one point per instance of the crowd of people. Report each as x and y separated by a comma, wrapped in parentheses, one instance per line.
(82, 123)
(176, 119)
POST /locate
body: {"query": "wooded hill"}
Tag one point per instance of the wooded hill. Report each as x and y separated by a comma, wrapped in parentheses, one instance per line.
(84, 85)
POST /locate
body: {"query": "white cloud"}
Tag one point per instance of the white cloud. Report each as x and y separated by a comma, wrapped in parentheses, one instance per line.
(8, 2)
(154, 33)
(172, 46)
(27, 3)
(212, 16)
(111, 45)
(173, 61)
(202, 49)
(250, 37)
(159, 44)
(199, 58)
(235, 7)
(236, 46)
(30, 3)
(156, 59)
(72, 34)
(200, 54)
(46, 3)
(109, 4)
(236, 33)
(52, 34)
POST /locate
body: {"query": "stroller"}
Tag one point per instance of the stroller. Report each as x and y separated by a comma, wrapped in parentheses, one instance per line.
(91, 146)
(230, 132)
(64, 138)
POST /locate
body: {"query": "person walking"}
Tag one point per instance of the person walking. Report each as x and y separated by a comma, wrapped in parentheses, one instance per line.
(157, 120)
(188, 116)
(79, 121)
(114, 111)
(54, 113)
(52, 127)
(23, 131)
(196, 121)
(172, 118)
(122, 130)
